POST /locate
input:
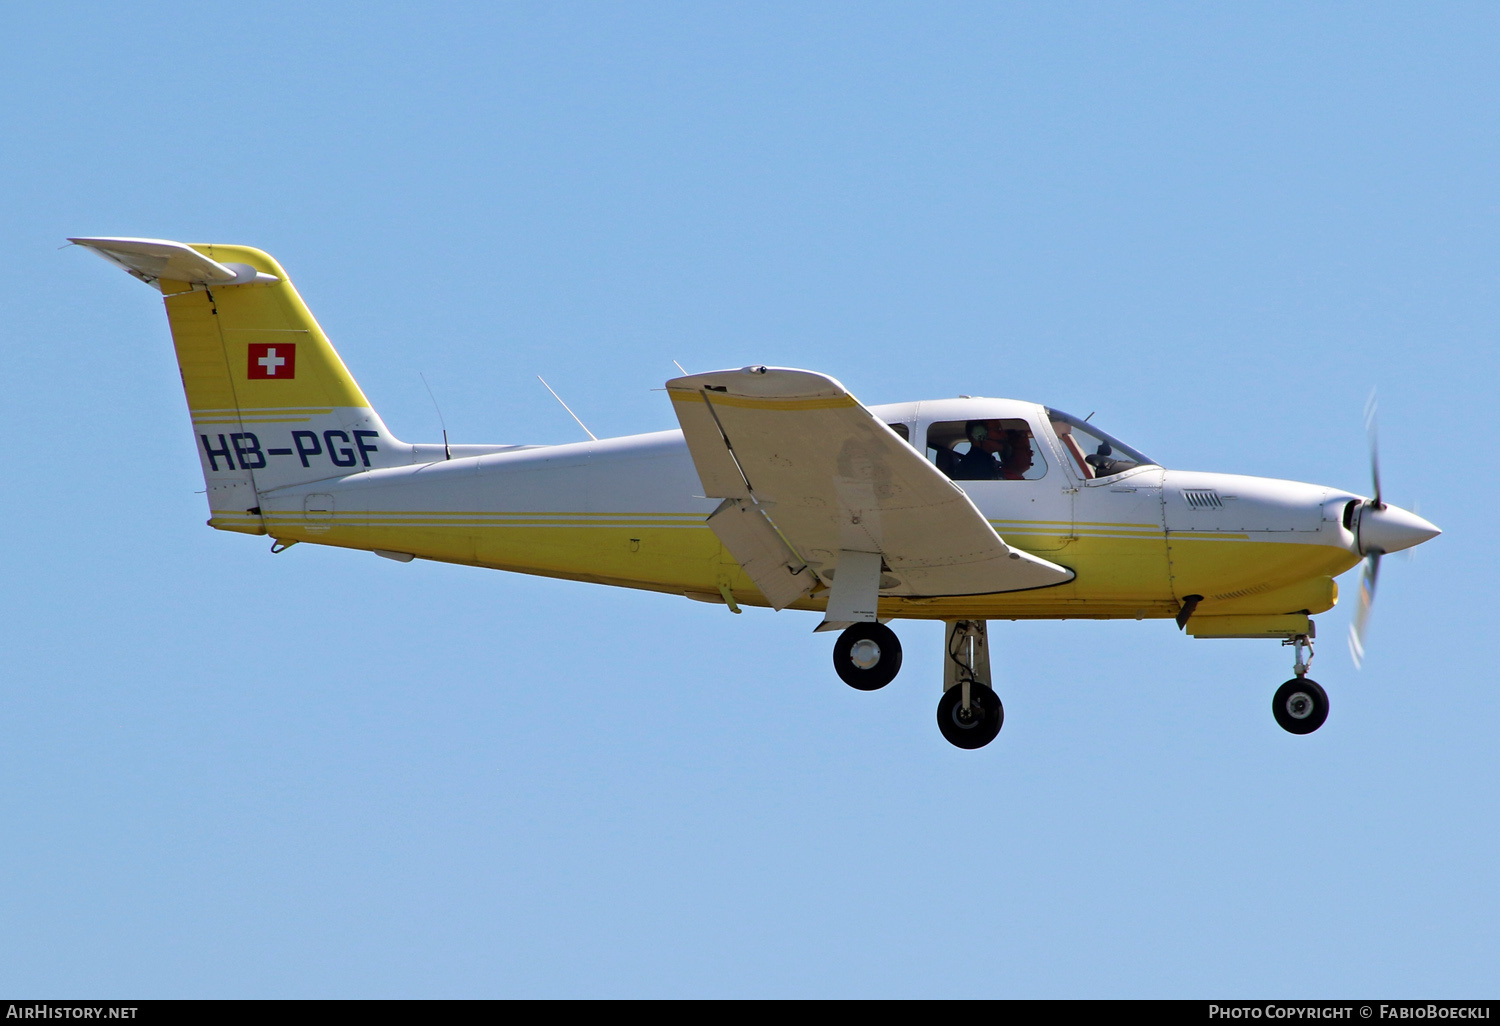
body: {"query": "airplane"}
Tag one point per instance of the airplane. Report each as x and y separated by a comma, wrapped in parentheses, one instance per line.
(780, 490)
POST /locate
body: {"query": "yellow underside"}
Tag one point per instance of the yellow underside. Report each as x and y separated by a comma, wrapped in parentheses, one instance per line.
(1121, 573)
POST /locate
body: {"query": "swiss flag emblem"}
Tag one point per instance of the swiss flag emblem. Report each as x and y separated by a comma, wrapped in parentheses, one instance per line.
(268, 361)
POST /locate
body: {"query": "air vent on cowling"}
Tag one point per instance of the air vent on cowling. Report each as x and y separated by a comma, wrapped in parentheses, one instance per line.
(1244, 592)
(1202, 498)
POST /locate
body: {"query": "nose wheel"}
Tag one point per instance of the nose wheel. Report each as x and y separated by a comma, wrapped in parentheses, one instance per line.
(867, 656)
(1300, 705)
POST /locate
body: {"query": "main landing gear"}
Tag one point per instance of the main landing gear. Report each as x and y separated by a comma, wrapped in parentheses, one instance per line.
(1300, 705)
(969, 714)
(867, 656)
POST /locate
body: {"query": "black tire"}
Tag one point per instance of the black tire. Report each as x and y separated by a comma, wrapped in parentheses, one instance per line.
(886, 654)
(979, 728)
(1300, 705)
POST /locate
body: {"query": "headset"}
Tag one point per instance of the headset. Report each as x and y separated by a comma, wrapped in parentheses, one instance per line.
(978, 432)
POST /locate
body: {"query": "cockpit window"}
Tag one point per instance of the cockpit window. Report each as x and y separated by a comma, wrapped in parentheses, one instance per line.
(986, 450)
(1094, 453)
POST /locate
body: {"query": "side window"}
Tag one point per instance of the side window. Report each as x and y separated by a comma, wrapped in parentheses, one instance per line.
(902, 430)
(986, 450)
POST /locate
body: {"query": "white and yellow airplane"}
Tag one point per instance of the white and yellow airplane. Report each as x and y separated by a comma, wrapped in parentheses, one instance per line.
(779, 490)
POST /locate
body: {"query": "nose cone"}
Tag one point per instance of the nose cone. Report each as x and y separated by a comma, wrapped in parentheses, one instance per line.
(1392, 529)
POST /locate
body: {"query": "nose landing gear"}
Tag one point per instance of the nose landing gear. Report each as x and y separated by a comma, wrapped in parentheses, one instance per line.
(1300, 705)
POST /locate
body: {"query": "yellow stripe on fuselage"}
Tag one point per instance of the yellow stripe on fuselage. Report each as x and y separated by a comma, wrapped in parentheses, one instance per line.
(835, 402)
(1122, 570)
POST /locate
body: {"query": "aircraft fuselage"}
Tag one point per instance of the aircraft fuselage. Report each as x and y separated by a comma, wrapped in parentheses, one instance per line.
(630, 512)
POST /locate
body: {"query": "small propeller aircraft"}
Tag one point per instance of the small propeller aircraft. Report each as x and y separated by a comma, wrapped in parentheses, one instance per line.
(780, 490)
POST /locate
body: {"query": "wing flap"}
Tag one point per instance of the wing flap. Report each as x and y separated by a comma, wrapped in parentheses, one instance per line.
(763, 554)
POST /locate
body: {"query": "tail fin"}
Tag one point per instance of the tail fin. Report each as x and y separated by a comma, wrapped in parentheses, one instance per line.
(272, 404)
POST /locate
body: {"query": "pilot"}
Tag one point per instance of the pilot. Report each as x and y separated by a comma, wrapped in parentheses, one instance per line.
(978, 464)
(1015, 455)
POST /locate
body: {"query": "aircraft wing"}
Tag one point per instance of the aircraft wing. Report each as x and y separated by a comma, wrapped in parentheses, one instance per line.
(795, 448)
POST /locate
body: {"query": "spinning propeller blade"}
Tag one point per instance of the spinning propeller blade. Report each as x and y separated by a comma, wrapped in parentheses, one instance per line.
(1371, 572)
(1410, 555)
(1361, 619)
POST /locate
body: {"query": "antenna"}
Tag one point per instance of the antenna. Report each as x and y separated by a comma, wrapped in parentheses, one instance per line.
(446, 454)
(681, 367)
(565, 406)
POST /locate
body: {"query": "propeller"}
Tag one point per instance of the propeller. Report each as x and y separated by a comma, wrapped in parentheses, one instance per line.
(1379, 528)
(1410, 555)
(1371, 572)
(1372, 432)
(1361, 619)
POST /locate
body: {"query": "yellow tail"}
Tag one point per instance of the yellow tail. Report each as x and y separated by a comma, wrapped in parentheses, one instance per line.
(272, 404)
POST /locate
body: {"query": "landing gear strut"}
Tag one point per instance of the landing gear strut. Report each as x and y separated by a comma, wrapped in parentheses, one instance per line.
(1300, 705)
(969, 714)
(867, 656)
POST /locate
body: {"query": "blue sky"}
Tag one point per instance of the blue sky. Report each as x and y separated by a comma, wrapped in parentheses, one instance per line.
(324, 774)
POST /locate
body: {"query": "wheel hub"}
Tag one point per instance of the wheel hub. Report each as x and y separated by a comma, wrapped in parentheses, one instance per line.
(864, 654)
(1299, 706)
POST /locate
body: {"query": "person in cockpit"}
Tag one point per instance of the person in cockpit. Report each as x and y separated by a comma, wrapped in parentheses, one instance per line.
(1015, 454)
(979, 463)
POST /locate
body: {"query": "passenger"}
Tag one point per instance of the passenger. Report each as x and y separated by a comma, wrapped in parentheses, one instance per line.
(978, 464)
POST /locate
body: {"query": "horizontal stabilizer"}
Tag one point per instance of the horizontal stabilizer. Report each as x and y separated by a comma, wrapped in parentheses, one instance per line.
(152, 260)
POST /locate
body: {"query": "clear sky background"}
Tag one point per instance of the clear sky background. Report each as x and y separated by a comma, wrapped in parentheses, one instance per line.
(227, 773)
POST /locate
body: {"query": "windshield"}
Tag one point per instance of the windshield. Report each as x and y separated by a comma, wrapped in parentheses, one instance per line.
(1094, 454)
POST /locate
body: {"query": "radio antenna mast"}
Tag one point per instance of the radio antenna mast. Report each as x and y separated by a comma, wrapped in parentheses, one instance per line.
(565, 406)
(446, 454)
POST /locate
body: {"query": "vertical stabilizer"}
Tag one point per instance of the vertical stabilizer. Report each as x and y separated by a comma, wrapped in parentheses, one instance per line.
(271, 402)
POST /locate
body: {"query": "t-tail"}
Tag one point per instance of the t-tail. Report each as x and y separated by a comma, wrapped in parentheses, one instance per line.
(272, 404)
